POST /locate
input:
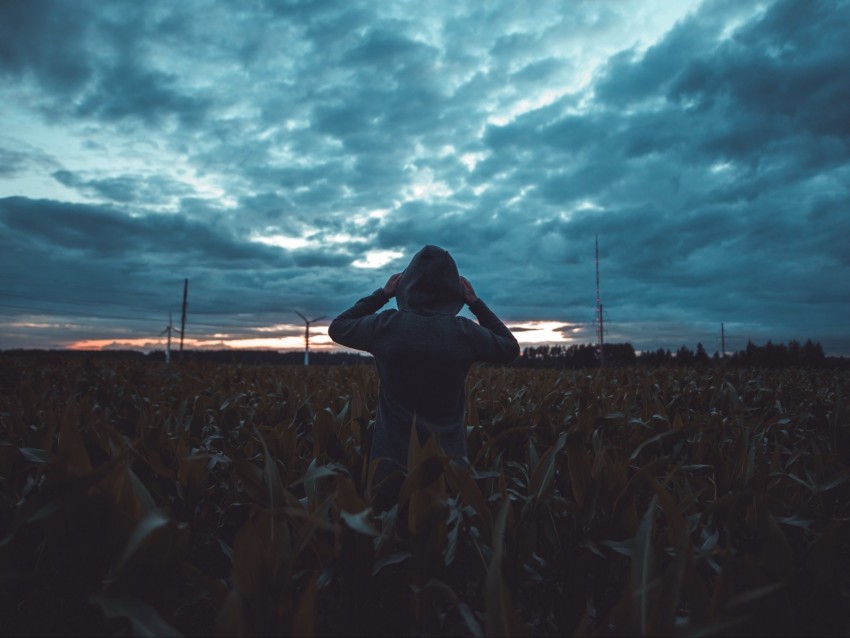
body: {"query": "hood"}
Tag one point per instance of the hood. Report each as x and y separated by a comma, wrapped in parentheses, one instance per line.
(430, 284)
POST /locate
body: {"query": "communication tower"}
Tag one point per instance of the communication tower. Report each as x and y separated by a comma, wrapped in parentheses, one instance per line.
(600, 338)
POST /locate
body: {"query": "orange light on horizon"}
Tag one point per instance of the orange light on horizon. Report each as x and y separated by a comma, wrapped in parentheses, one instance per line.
(317, 342)
(533, 332)
(526, 333)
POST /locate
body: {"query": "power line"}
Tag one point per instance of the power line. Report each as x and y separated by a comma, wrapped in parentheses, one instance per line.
(124, 306)
(27, 291)
(78, 311)
(92, 309)
(54, 313)
(75, 302)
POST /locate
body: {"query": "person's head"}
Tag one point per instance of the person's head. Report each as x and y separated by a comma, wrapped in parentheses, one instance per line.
(430, 284)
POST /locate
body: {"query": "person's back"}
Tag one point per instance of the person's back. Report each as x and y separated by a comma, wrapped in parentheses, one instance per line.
(423, 352)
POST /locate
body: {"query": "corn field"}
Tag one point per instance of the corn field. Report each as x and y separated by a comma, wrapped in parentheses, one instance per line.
(143, 499)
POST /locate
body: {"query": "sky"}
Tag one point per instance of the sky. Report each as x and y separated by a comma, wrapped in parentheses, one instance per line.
(290, 156)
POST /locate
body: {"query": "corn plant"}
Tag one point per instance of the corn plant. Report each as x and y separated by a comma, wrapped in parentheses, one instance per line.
(144, 499)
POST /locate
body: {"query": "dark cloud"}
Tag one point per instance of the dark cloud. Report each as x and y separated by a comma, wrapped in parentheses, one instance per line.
(98, 232)
(126, 91)
(126, 188)
(386, 50)
(19, 161)
(321, 259)
(45, 40)
(709, 157)
(92, 61)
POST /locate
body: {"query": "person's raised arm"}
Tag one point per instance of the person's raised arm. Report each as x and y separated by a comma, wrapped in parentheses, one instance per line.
(392, 285)
(498, 344)
(469, 295)
(349, 328)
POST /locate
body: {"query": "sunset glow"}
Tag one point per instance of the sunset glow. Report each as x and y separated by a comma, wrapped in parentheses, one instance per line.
(527, 333)
(540, 332)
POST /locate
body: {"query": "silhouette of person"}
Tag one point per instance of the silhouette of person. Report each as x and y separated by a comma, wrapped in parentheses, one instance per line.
(423, 352)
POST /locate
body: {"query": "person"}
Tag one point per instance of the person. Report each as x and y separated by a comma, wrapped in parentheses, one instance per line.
(423, 352)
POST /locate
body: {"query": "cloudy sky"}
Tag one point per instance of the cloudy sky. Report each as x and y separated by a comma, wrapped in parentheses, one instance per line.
(292, 155)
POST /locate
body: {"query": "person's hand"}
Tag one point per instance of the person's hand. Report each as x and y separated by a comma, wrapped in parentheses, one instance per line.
(469, 295)
(392, 284)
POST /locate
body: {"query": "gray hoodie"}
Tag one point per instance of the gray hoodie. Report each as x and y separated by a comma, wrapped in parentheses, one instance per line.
(423, 352)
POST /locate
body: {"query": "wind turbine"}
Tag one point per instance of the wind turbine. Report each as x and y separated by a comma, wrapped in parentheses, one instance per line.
(307, 323)
(169, 328)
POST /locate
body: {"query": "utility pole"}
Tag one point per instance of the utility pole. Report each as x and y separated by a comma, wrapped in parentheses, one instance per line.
(307, 323)
(183, 319)
(722, 341)
(600, 339)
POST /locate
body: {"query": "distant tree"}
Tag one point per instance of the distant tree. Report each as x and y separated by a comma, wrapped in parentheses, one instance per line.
(750, 354)
(619, 354)
(684, 357)
(795, 352)
(701, 357)
(575, 356)
(812, 353)
(773, 355)
(655, 358)
(583, 356)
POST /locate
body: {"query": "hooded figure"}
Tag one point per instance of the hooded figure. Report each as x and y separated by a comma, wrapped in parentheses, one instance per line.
(423, 352)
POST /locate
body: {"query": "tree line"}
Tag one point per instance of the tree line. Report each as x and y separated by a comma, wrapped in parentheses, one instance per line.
(770, 355)
(225, 355)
